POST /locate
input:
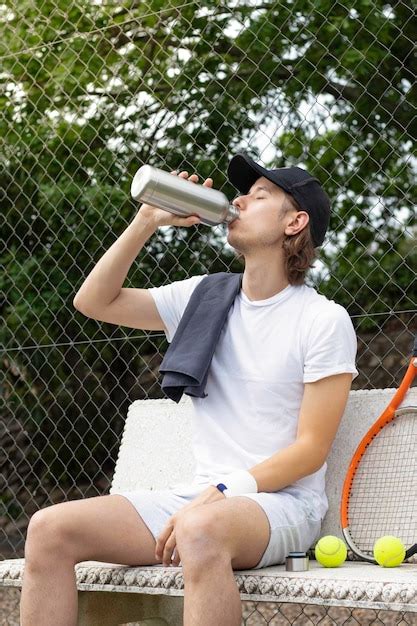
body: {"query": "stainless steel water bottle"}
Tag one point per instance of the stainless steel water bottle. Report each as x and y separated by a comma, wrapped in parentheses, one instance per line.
(181, 196)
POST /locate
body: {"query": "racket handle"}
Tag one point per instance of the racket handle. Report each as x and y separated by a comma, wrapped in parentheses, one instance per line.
(410, 551)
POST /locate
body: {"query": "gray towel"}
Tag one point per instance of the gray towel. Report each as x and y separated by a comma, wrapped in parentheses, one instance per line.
(186, 362)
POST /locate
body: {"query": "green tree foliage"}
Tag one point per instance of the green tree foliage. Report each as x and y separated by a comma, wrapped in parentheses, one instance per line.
(92, 90)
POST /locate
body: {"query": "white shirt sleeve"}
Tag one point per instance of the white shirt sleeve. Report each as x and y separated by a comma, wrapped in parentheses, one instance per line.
(171, 301)
(331, 345)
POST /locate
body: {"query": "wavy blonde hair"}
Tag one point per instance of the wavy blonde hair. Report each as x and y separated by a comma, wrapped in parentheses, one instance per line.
(299, 250)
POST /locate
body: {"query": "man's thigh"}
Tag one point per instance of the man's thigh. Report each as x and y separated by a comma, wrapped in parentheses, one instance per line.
(239, 525)
(102, 528)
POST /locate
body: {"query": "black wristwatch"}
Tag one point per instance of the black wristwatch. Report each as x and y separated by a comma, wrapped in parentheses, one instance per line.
(221, 487)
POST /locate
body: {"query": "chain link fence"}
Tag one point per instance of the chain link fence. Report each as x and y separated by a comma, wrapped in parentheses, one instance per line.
(93, 89)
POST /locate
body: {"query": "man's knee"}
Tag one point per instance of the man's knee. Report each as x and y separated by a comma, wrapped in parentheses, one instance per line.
(201, 537)
(48, 535)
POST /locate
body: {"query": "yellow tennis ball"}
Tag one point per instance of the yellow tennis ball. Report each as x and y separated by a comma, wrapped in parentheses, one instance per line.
(389, 551)
(330, 551)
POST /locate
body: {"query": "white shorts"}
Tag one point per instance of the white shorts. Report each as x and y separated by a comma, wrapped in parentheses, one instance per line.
(294, 524)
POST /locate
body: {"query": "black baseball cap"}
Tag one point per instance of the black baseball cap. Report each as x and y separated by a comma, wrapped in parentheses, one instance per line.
(243, 172)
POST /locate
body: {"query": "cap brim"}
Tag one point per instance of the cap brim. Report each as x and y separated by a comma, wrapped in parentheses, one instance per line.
(242, 172)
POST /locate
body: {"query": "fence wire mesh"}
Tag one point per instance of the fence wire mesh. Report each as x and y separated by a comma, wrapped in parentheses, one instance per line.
(93, 89)
(274, 614)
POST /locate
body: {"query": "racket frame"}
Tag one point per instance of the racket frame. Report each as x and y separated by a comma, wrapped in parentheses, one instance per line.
(388, 415)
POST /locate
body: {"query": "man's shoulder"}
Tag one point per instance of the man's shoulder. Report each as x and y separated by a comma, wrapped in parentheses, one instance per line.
(319, 305)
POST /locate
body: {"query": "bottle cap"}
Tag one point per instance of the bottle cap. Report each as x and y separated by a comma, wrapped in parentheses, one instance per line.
(297, 562)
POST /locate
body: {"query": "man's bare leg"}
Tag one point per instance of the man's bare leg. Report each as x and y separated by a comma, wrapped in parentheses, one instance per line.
(102, 528)
(213, 597)
(213, 541)
(49, 597)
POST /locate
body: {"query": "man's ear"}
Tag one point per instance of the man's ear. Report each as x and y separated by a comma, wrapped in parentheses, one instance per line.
(297, 222)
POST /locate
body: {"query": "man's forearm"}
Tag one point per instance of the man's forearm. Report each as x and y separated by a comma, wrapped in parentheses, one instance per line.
(106, 279)
(286, 467)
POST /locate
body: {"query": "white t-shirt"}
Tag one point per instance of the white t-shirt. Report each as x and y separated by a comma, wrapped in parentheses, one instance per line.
(266, 351)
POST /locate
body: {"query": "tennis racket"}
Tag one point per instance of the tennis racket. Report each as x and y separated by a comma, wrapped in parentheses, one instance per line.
(379, 495)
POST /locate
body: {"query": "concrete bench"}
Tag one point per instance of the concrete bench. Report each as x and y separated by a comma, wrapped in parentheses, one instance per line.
(155, 453)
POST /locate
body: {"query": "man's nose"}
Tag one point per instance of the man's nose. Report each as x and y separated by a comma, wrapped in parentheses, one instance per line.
(238, 202)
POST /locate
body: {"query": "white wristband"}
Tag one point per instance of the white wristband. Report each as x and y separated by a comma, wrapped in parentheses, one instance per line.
(238, 483)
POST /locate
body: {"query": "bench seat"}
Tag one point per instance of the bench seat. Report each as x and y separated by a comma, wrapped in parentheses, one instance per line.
(355, 584)
(155, 453)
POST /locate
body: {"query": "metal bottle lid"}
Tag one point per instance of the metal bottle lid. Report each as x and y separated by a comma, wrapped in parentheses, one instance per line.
(297, 562)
